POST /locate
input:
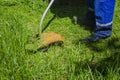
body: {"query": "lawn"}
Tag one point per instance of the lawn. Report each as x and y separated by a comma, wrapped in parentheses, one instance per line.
(19, 21)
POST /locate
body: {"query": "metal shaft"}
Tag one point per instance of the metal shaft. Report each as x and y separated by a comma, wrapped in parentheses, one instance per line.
(43, 16)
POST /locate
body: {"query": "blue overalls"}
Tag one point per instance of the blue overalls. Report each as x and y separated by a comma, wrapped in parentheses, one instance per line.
(104, 11)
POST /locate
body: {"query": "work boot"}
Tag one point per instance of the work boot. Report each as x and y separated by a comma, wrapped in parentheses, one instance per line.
(91, 38)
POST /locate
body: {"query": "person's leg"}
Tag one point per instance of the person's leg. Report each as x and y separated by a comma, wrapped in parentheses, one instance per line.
(104, 10)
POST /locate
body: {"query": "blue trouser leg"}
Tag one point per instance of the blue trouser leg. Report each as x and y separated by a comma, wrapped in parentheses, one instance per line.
(104, 10)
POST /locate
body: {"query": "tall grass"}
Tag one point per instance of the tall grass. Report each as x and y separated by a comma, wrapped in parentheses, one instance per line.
(19, 20)
(13, 40)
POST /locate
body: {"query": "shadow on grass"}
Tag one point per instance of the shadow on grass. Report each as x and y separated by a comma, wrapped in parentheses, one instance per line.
(48, 23)
(100, 68)
(112, 45)
(103, 66)
(63, 8)
(35, 49)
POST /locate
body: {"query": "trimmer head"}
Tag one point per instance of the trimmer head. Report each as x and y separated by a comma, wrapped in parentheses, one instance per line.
(49, 39)
(43, 42)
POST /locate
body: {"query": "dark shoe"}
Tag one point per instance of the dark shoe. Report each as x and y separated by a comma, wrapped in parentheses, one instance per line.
(90, 39)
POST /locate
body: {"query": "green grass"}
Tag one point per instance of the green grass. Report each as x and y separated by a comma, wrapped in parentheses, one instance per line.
(19, 21)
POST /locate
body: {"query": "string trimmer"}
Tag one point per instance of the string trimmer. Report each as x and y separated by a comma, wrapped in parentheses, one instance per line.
(46, 39)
